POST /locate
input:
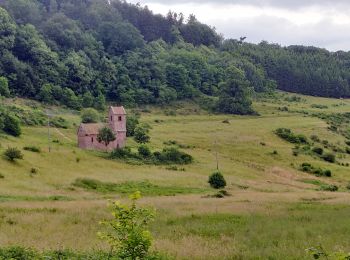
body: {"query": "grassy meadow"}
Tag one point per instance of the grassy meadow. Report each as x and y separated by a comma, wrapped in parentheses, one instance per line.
(275, 211)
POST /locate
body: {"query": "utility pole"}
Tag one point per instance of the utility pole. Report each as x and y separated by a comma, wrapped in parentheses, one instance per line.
(216, 155)
(48, 132)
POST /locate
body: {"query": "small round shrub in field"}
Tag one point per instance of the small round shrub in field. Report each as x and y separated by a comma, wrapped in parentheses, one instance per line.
(217, 180)
(347, 149)
(12, 154)
(315, 138)
(327, 173)
(144, 151)
(318, 150)
(348, 186)
(306, 167)
(329, 157)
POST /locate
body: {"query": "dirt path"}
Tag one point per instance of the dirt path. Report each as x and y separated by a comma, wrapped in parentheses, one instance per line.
(63, 135)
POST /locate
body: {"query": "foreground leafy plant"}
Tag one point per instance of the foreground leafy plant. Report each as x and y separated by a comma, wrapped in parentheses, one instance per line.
(127, 232)
(320, 253)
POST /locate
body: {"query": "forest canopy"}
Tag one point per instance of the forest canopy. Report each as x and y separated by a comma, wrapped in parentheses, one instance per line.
(82, 53)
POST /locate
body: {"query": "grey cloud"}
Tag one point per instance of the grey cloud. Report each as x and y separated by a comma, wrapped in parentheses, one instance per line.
(287, 4)
(324, 34)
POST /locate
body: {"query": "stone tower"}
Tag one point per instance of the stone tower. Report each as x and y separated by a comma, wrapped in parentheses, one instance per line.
(117, 122)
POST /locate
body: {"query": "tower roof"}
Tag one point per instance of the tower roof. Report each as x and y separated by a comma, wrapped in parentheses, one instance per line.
(118, 110)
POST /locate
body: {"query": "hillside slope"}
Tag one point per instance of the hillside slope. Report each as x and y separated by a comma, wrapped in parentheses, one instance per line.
(275, 209)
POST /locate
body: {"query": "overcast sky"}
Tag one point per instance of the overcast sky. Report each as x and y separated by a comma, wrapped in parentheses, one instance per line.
(321, 23)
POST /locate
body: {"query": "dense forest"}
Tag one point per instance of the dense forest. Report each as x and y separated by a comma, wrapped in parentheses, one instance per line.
(82, 53)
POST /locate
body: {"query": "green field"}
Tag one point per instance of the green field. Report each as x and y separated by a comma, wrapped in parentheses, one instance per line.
(275, 211)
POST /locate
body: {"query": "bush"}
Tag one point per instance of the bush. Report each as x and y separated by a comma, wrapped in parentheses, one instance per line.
(59, 122)
(141, 134)
(347, 149)
(12, 126)
(17, 253)
(315, 138)
(169, 155)
(2, 176)
(4, 87)
(289, 136)
(144, 151)
(132, 122)
(12, 154)
(33, 149)
(217, 180)
(319, 106)
(329, 157)
(89, 115)
(348, 186)
(307, 167)
(318, 150)
(33, 171)
(121, 153)
(331, 188)
(173, 155)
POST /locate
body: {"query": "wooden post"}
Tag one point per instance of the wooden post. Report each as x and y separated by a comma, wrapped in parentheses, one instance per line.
(48, 132)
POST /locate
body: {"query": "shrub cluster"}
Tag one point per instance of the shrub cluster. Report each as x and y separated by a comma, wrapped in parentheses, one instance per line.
(319, 106)
(307, 167)
(289, 136)
(28, 253)
(177, 144)
(169, 155)
(293, 99)
(172, 155)
(33, 149)
(331, 188)
(329, 157)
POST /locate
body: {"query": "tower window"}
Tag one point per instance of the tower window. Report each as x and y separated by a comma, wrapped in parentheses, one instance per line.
(111, 118)
(92, 139)
(119, 118)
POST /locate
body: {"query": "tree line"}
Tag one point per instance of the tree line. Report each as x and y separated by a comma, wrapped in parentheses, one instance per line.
(83, 53)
